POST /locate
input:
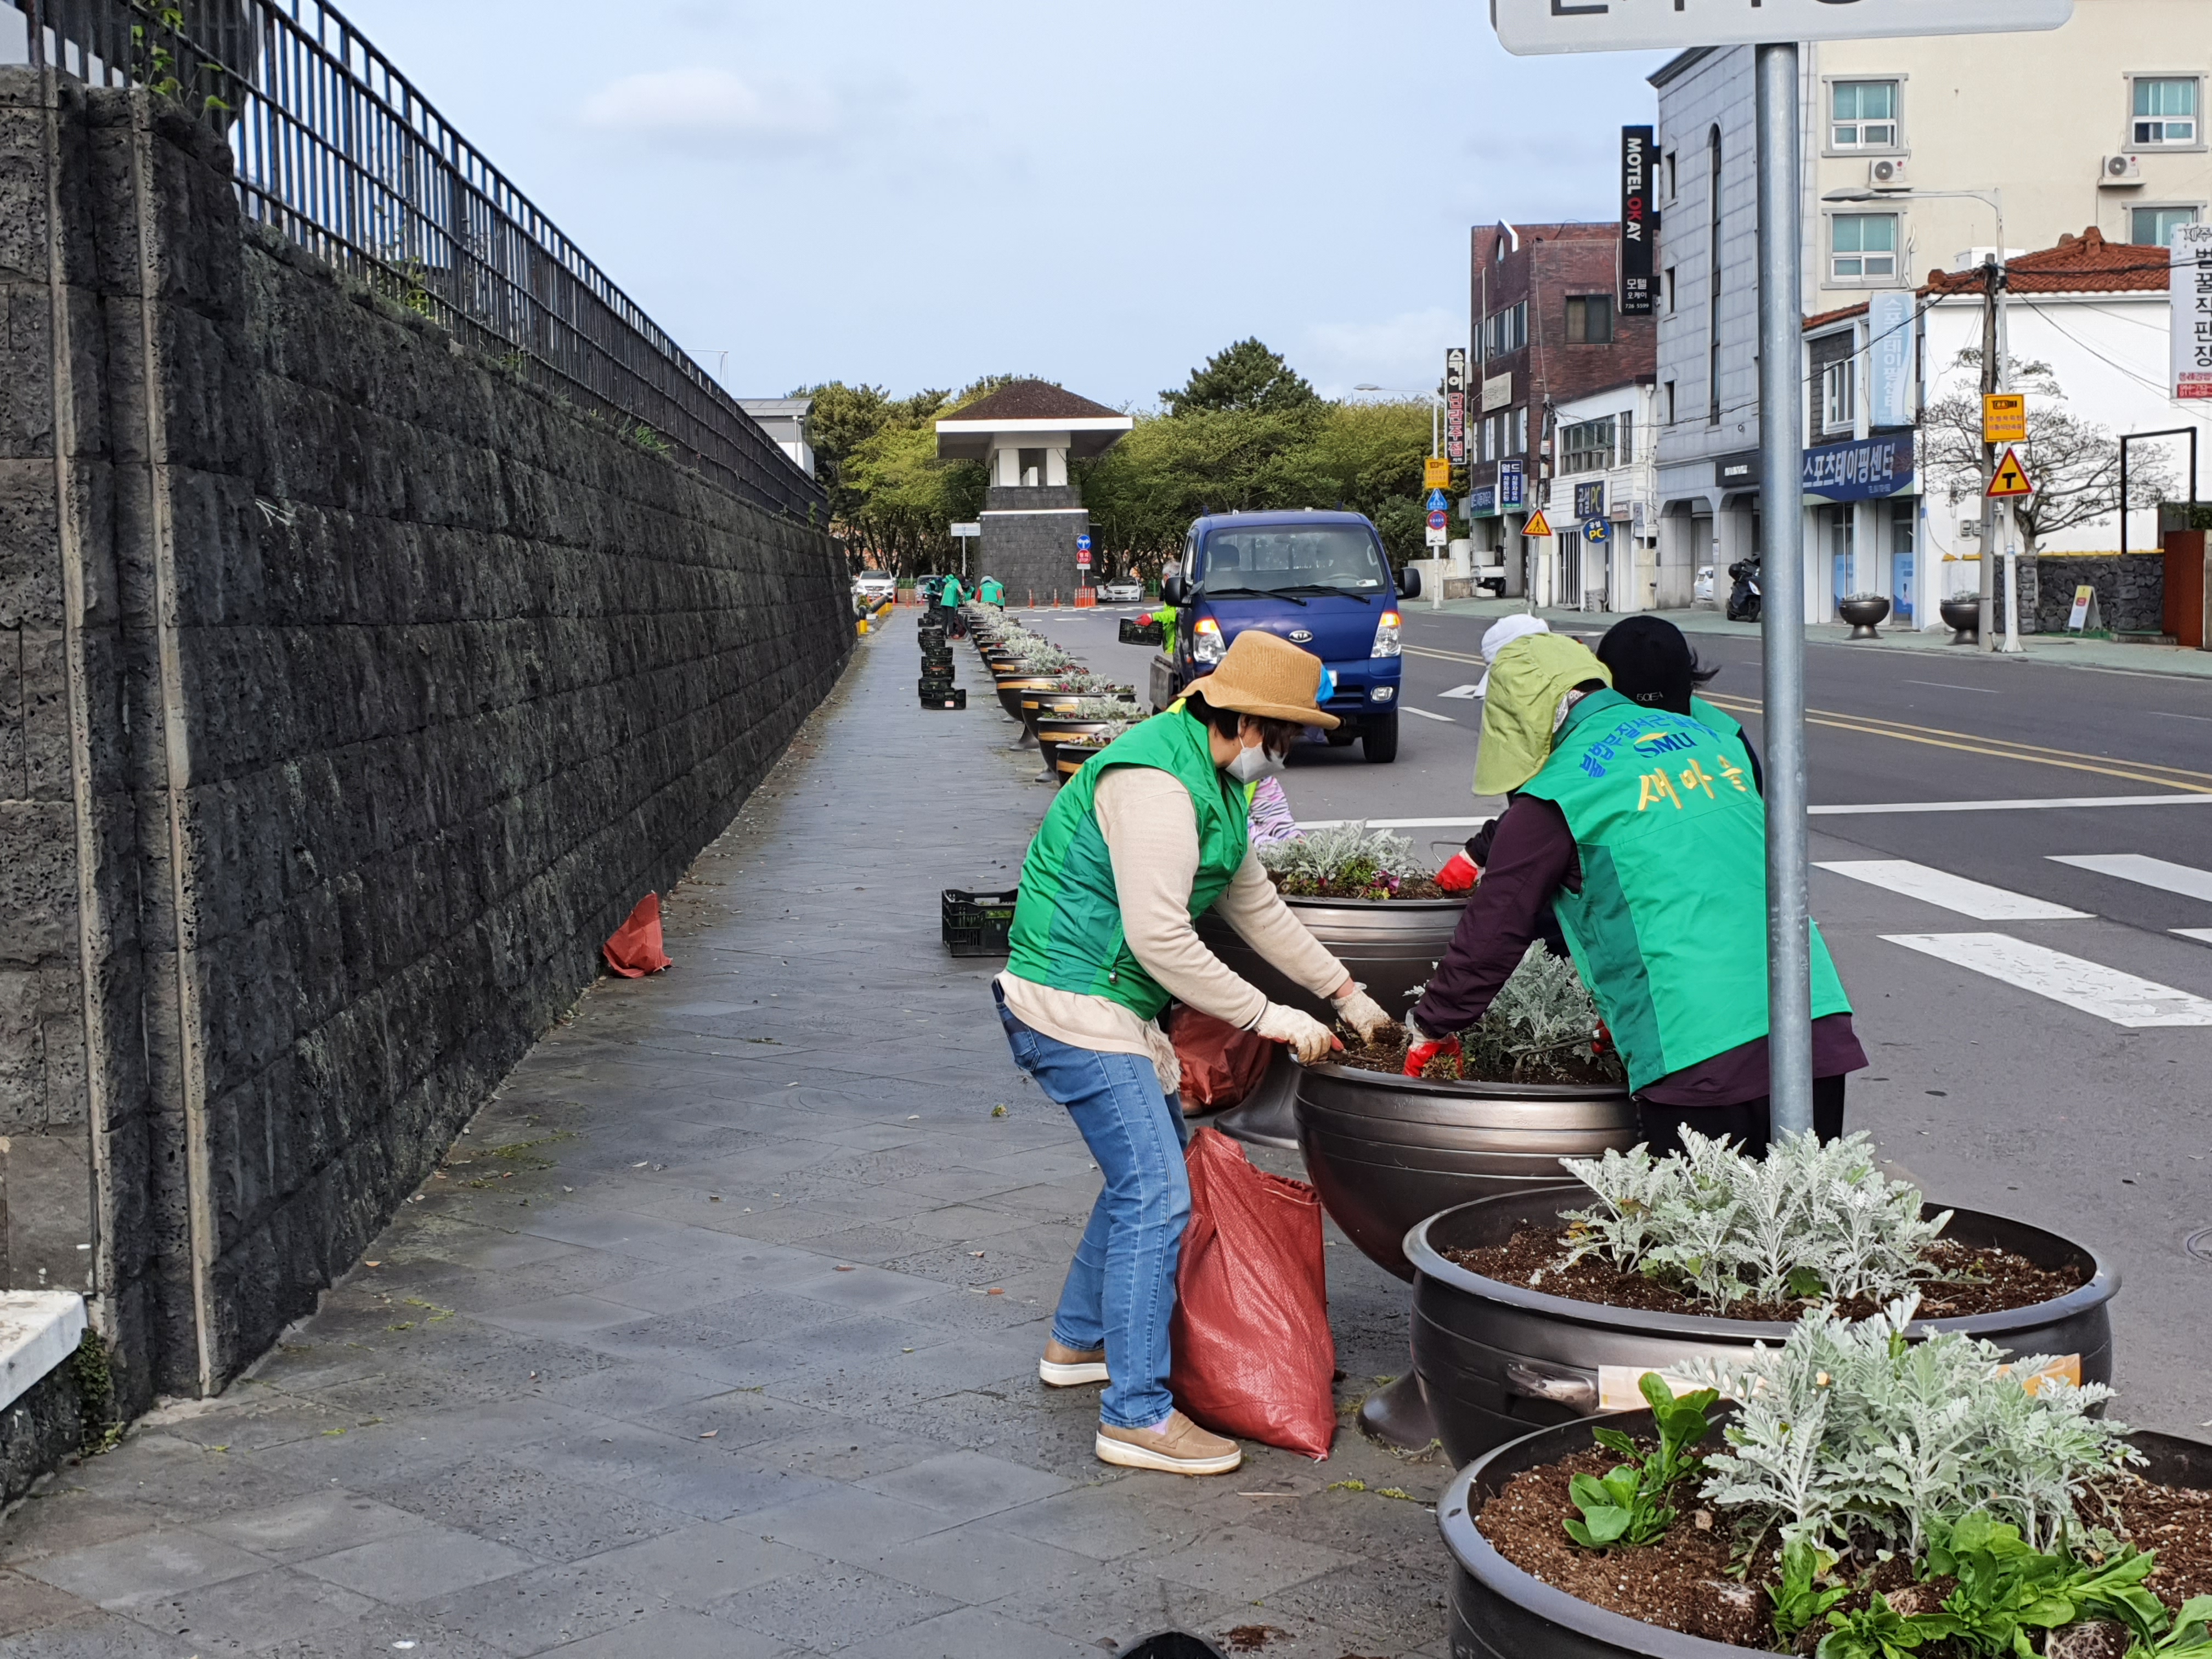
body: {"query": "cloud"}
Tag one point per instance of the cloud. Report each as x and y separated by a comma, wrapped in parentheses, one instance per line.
(692, 107)
(1406, 351)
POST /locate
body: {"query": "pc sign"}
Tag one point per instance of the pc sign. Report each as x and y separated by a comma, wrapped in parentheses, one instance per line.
(1530, 28)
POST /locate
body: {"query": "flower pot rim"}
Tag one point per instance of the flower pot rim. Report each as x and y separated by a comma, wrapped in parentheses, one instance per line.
(1315, 902)
(1485, 1089)
(2103, 1285)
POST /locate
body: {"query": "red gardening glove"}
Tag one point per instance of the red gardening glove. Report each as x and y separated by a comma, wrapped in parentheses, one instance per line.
(1603, 1043)
(1459, 874)
(1421, 1054)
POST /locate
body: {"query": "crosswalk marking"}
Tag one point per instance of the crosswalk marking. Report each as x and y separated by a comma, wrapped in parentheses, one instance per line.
(2121, 998)
(1425, 715)
(1460, 692)
(2202, 935)
(1940, 887)
(2143, 871)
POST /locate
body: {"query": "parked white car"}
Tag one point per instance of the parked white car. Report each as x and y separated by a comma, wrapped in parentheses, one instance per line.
(1121, 590)
(875, 585)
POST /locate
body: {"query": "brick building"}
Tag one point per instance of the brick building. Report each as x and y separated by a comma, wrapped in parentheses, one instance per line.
(1548, 331)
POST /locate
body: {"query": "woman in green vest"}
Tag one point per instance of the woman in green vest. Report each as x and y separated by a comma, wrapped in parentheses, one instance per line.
(992, 592)
(948, 599)
(1644, 831)
(1148, 836)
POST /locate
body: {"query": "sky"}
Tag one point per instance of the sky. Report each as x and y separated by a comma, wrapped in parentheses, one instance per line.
(912, 193)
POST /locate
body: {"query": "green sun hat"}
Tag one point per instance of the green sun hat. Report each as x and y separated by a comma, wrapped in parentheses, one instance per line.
(1529, 682)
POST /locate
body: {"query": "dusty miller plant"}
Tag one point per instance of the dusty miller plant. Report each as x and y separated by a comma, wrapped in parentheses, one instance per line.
(1322, 856)
(1810, 1220)
(1543, 1016)
(1848, 1428)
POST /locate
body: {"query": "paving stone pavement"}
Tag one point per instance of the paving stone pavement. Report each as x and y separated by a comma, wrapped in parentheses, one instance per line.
(717, 1333)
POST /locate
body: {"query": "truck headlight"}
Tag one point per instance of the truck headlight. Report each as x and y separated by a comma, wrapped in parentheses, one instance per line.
(1386, 635)
(1206, 643)
(1384, 692)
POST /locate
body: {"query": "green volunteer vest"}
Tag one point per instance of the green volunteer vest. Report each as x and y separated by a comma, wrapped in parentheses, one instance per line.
(991, 592)
(1718, 719)
(1067, 922)
(950, 596)
(1670, 928)
(1165, 615)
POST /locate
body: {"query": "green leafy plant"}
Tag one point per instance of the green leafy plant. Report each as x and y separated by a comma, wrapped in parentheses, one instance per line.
(2190, 1639)
(1878, 1630)
(1629, 1505)
(1348, 860)
(1804, 1595)
(1542, 1019)
(2007, 1587)
(1808, 1220)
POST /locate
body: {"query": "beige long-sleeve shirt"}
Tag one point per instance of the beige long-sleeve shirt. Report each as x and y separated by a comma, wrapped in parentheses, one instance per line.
(1151, 831)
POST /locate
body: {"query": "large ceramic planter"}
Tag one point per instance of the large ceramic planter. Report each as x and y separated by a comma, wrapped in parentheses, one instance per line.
(1500, 1612)
(1496, 1360)
(1390, 945)
(1053, 731)
(1012, 688)
(1963, 617)
(1864, 612)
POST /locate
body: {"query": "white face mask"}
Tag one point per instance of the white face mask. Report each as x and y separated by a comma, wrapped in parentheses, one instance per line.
(1252, 764)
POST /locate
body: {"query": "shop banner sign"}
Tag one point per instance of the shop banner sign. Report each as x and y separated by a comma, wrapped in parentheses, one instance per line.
(1865, 470)
(2190, 282)
(1639, 223)
(1512, 483)
(1890, 316)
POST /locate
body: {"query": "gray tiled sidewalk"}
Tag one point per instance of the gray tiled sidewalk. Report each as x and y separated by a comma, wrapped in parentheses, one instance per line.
(718, 1334)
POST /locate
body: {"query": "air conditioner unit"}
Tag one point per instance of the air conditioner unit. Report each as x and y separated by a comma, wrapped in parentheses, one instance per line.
(2118, 172)
(1888, 174)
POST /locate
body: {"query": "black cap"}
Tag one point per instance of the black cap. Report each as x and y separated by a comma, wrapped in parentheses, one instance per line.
(1652, 664)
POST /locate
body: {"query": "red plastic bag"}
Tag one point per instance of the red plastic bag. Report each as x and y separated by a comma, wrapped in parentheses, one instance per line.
(1221, 1064)
(1253, 1353)
(635, 951)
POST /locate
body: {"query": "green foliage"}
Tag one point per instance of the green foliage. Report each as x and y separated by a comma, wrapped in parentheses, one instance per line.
(1806, 1591)
(1878, 1630)
(92, 1370)
(1629, 1505)
(1349, 860)
(1807, 1220)
(2007, 1587)
(1542, 1018)
(2190, 1639)
(890, 498)
(1242, 376)
(650, 441)
(1849, 1428)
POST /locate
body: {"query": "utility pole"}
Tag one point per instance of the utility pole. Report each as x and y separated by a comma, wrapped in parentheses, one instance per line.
(1992, 274)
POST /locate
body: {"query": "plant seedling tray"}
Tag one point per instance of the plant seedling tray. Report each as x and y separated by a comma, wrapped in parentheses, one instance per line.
(1133, 632)
(978, 924)
(954, 696)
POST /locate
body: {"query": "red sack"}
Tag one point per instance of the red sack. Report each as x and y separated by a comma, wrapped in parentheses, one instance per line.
(1253, 1353)
(635, 951)
(1221, 1064)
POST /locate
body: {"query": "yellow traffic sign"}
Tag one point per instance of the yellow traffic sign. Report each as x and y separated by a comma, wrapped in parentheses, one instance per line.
(1436, 473)
(1538, 524)
(2011, 479)
(2004, 417)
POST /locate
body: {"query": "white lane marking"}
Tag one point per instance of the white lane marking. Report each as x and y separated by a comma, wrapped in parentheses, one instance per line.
(2061, 803)
(2202, 935)
(2121, 998)
(2168, 714)
(1461, 691)
(1940, 887)
(2143, 871)
(1425, 715)
(1945, 685)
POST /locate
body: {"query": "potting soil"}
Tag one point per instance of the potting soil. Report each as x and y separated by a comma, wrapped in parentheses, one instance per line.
(1974, 1281)
(1388, 1051)
(1684, 1581)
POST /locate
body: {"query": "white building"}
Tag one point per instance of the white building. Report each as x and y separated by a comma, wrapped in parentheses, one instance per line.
(2101, 122)
(784, 419)
(1604, 470)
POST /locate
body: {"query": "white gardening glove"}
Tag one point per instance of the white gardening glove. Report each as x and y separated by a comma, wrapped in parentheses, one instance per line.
(1362, 1013)
(1308, 1039)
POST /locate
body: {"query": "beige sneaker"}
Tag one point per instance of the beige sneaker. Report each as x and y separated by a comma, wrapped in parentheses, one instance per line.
(1063, 1367)
(1178, 1446)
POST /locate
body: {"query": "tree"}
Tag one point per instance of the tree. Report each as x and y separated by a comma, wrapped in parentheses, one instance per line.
(2075, 463)
(1244, 376)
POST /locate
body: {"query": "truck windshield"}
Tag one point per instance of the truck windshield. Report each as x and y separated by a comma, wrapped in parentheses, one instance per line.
(1275, 557)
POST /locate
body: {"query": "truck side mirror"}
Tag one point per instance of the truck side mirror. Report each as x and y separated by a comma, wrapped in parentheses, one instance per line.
(1171, 588)
(1409, 582)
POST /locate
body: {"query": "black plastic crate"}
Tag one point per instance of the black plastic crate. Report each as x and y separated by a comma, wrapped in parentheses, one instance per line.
(934, 685)
(953, 697)
(977, 924)
(941, 656)
(1134, 632)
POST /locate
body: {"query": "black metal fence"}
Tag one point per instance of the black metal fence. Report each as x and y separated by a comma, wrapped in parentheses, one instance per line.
(337, 150)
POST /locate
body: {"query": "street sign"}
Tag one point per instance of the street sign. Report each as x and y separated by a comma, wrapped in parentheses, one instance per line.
(1439, 520)
(2011, 481)
(1438, 502)
(2188, 280)
(1595, 529)
(1438, 536)
(1082, 542)
(1639, 223)
(1083, 558)
(2004, 417)
(1538, 524)
(2083, 616)
(1512, 483)
(1436, 472)
(1527, 28)
(966, 532)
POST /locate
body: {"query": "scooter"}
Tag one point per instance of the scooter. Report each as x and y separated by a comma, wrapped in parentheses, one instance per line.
(1744, 602)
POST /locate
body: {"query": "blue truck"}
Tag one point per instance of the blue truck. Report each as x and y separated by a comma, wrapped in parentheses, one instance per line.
(1320, 581)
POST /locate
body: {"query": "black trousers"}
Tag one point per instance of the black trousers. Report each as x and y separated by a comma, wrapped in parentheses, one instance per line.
(1749, 1123)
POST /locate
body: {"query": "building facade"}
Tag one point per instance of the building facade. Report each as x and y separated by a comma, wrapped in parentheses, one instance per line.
(1035, 527)
(1546, 321)
(1604, 508)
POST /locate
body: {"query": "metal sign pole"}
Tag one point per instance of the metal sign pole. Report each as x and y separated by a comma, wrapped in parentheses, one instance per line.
(1781, 444)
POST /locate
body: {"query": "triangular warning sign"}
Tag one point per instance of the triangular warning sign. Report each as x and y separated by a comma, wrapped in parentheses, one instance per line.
(1538, 524)
(2011, 479)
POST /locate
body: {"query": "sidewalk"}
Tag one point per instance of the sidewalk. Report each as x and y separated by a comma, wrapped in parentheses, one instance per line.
(2050, 650)
(718, 1335)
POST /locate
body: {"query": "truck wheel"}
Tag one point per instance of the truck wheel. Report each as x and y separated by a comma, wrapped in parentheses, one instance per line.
(1379, 742)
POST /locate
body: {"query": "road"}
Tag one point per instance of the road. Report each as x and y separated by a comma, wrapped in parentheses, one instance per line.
(2013, 1070)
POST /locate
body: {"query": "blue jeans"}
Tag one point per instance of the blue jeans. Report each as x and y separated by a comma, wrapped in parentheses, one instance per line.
(1121, 1288)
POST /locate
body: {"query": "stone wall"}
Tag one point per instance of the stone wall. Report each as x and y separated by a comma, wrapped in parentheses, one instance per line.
(1029, 541)
(2130, 593)
(351, 691)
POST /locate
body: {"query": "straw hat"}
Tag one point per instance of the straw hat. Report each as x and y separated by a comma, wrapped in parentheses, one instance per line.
(1271, 678)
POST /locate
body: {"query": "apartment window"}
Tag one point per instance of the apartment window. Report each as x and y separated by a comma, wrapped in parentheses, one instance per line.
(2153, 227)
(1674, 183)
(1587, 446)
(2165, 109)
(1507, 331)
(1674, 291)
(1520, 419)
(1839, 410)
(1589, 319)
(1625, 448)
(1490, 437)
(1863, 247)
(1670, 403)
(1862, 115)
